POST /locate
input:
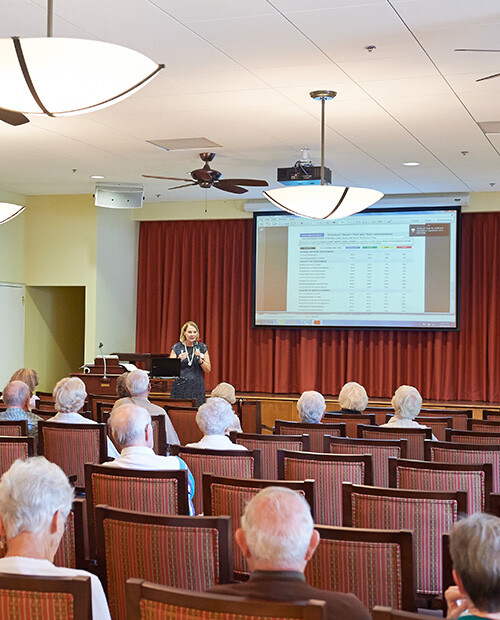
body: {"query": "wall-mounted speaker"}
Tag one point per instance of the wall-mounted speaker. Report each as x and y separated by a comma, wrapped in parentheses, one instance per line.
(119, 195)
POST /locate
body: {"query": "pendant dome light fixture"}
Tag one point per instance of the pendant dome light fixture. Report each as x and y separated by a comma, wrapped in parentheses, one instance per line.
(9, 211)
(323, 202)
(66, 76)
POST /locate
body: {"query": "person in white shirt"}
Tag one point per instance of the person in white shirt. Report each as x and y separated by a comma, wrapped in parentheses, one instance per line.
(69, 396)
(35, 500)
(139, 388)
(132, 431)
(214, 418)
(407, 403)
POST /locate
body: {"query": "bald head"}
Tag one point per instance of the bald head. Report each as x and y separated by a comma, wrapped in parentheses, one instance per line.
(16, 394)
(277, 530)
(128, 426)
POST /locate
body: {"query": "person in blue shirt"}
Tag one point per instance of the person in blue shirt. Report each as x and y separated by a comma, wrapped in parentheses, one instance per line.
(16, 395)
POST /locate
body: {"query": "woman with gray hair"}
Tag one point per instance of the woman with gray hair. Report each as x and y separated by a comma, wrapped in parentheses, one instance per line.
(214, 418)
(69, 396)
(35, 500)
(311, 407)
(227, 392)
(353, 398)
(407, 403)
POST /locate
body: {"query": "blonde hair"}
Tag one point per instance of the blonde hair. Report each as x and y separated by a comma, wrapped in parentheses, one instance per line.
(182, 337)
(28, 376)
(225, 391)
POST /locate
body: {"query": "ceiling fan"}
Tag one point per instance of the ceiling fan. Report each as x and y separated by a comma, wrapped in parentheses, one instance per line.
(487, 77)
(207, 177)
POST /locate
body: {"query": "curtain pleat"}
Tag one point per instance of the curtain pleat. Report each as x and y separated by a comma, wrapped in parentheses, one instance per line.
(202, 271)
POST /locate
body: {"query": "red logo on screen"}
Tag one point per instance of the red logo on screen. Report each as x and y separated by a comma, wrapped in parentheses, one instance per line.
(317, 322)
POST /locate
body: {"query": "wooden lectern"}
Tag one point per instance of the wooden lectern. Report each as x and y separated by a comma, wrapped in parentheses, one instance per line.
(96, 382)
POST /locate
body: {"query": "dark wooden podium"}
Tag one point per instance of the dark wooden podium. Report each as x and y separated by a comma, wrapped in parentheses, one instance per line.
(95, 380)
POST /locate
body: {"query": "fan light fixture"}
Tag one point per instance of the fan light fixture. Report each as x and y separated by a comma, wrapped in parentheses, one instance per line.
(323, 201)
(9, 211)
(63, 76)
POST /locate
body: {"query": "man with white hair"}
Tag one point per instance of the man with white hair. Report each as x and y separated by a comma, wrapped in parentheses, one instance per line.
(214, 418)
(407, 403)
(16, 395)
(311, 407)
(139, 387)
(277, 538)
(35, 500)
(475, 553)
(133, 433)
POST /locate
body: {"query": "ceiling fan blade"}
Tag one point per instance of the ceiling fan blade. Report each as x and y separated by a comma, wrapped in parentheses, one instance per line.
(465, 49)
(179, 186)
(229, 187)
(249, 182)
(488, 77)
(13, 118)
(202, 175)
(152, 176)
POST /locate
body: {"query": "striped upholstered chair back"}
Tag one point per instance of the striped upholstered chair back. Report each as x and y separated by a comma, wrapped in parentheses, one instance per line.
(14, 428)
(460, 416)
(72, 445)
(415, 437)
(380, 413)
(13, 448)
(231, 463)
(229, 496)
(490, 414)
(160, 492)
(184, 421)
(149, 600)
(193, 553)
(351, 421)
(316, 432)
(473, 437)
(380, 449)
(269, 446)
(438, 425)
(427, 514)
(329, 471)
(476, 480)
(39, 598)
(452, 452)
(375, 565)
(484, 426)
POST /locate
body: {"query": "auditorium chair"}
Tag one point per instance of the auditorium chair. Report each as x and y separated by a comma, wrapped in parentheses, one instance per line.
(474, 437)
(93, 399)
(386, 613)
(72, 445)
(379, 412)
(476, 480)
(250, 415)
(269, 446)
(495, 504)
(351, 421)
(484, 426)
(452, 452)
(329, 471)
(13, 448)
(193, 553)
(376, 565)
(184, 421)
(428, 514)
(316, 432)
(25, 597)
(14, 428)
(46, 405)
(102, 411)
(415, 437)
(162, 492)
(437, 424)
(231, 463)
(223, 496)
(45, 415)
(380, 450)
(489, 414)
(179, 403)
(153, 601)
(460, 416)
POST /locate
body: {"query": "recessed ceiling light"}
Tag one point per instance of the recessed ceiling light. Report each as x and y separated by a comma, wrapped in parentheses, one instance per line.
(411, 163)
(97, 176)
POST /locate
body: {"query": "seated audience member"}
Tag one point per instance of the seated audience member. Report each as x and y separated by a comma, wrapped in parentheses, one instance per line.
(407, 403)
(475, 553)
(277, 537)
(132, 432)
(214, 418)
(30, 377)
(227, 392)
(138, 388)
(35, 500)
(121, 386)
(69, 396)
(311, 407)
(353, 398)
(16, 395)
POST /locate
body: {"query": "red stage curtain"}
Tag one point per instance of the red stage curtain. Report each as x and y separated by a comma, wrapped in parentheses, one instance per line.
(201, 271)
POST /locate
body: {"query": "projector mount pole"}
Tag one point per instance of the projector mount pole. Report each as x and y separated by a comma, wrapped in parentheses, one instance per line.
(322, 95)
(50, 17)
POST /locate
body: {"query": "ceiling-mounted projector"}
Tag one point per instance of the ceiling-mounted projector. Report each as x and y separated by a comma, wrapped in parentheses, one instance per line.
(303, 172)
(119, 195)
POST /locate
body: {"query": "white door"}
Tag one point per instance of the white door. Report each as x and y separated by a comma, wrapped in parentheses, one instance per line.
(11, 330)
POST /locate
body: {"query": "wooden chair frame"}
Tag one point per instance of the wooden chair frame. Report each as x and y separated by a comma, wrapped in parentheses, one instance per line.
(137, 589)
(491, 414)
(78, 587)
(426, 433)
(78, 508)
(477, 435)
(21, 424)
(475, 425)
(101, 415)
(495, 504)
(486, 468)
(29, 441)
(191, 411)
(180, 475)
(300, 428)
(332, 417)
(250, 414)
(386, 613)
